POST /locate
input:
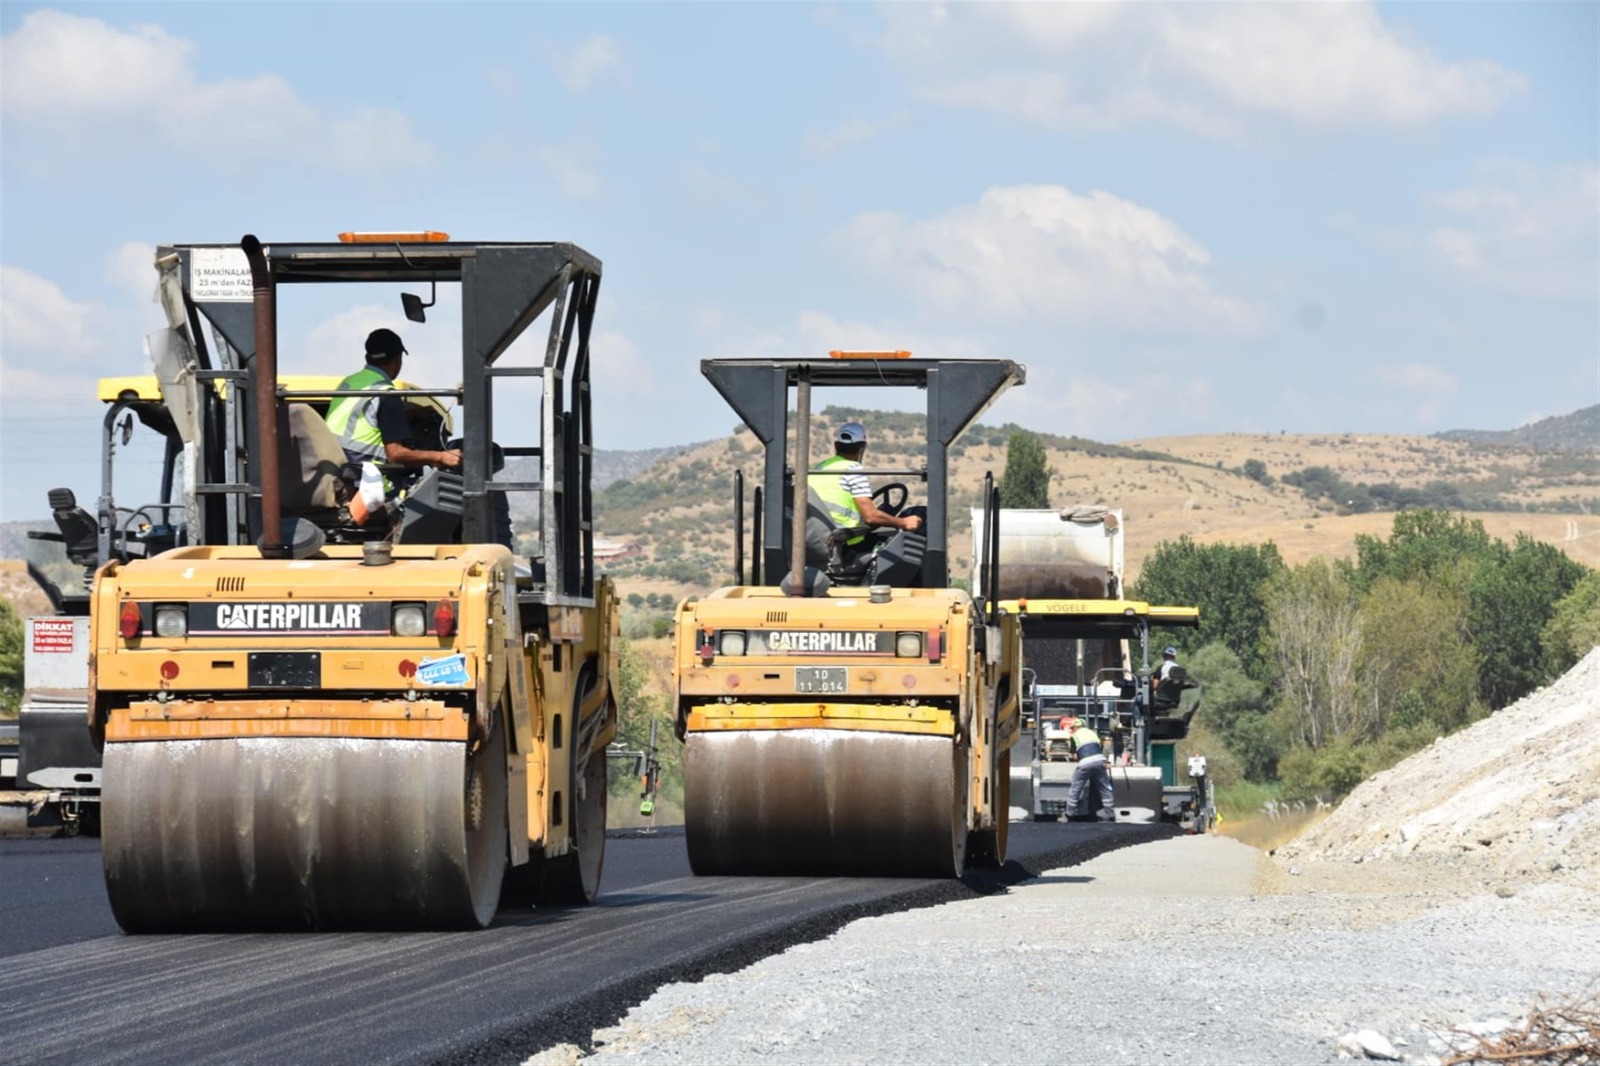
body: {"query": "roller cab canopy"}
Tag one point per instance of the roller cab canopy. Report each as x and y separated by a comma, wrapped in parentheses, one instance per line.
(958, 392)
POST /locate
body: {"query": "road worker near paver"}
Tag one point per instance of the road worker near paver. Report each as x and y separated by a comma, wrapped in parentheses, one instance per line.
(1091, 771)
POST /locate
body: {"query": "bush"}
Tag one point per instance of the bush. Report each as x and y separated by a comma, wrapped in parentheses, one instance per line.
(1330, 772)
(1244, 798)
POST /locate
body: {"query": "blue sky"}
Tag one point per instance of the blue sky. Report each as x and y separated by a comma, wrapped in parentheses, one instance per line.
(1183, 218)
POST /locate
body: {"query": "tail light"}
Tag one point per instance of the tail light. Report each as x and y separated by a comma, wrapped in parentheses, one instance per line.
(444, 619)
(129, 623)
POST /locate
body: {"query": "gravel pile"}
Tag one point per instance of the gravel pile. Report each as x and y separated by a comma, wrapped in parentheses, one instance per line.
(1515, 797)
(1446, 896)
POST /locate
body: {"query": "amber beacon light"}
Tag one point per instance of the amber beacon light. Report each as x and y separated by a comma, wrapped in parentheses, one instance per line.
(425, 236)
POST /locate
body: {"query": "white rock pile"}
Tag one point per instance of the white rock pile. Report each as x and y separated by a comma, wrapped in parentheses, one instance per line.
(1514, 797)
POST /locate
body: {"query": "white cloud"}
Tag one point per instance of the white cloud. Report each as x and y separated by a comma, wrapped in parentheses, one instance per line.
(1523, 229)
(1205, 67)
(337, 344)
(81, 84)
(131, 267)
(619, 366)
(846, 134)
(1045, 251)
(596, 60)
(41, 321)
(1427, 388)
(573, 171)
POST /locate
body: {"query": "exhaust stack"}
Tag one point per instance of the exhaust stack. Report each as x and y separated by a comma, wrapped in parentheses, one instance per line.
(265, 365)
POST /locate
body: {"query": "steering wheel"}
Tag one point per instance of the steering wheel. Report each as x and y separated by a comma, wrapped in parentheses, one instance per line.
(884, 499)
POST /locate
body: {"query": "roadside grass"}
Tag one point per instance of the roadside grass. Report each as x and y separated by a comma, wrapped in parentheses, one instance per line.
(1244, 815)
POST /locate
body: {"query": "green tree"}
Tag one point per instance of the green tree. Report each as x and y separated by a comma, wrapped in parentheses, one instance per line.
(1329, 773)
(1513, 597)
(1256, 470)
(1314, 639)
(1026, 481)
(1423, 545)
(1233, 707)
(10, 659)
(1415, 657)
(1574, 628)
(1226, 582)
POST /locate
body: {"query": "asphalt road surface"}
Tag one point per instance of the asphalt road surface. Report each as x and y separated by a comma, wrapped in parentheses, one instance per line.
(77, 991)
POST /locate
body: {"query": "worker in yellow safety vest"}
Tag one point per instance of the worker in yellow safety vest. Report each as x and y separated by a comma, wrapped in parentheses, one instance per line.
(1091, 771)
(373, 429)
(847, 499)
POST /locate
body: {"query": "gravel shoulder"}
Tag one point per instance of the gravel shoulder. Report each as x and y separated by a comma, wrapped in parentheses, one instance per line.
(1447, 894)
(1195, 949)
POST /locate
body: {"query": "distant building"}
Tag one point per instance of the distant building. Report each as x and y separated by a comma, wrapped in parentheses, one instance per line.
(610, 551)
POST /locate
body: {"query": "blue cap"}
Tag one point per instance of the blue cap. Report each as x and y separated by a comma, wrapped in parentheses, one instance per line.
(1170, 650)
(851, 433)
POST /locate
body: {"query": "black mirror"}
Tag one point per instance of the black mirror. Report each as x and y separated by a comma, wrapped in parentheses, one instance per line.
(127, 428)
(414, 307)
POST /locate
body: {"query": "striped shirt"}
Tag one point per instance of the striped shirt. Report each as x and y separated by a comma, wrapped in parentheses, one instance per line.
(855, 484)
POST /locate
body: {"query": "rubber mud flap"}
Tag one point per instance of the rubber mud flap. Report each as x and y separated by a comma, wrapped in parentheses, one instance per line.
(302, 833)
(824, 801)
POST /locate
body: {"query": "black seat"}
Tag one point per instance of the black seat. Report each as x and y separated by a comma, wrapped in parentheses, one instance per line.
(1170, 690)
(80, 533)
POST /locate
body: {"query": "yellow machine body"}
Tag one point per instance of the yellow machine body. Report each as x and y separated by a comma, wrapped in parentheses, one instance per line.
(290, 759)
(845, 733)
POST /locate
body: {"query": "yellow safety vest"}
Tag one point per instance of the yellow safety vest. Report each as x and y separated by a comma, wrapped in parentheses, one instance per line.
(354, 419)
(1085, 738)
(842, 509)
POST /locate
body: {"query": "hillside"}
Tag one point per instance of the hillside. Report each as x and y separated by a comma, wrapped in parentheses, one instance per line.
(1575, 432)
(675, 504)
(679, 511)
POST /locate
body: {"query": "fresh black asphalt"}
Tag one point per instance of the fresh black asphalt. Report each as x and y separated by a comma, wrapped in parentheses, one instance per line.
(77, 991)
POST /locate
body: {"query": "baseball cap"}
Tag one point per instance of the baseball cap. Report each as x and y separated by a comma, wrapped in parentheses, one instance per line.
(1169, 650)
(384, 344)
(851, 433)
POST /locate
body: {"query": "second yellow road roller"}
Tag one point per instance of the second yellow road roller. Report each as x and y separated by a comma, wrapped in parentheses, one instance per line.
(343, 699)
(844, 708)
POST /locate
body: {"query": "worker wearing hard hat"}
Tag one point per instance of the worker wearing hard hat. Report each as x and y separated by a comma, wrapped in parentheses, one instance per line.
(1169, 659)
(1091, 771)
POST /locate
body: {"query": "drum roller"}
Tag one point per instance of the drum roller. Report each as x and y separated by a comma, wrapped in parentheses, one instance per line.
(303, 833)
(824, 801)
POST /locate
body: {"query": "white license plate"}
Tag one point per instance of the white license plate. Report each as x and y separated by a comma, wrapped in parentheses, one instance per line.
(820, 679)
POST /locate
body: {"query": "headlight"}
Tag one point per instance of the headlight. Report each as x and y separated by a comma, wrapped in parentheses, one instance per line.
(172, 620)
(908, 645)
(407, 620)
(731, 642)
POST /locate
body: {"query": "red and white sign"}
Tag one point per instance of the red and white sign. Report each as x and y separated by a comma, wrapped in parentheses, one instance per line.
(53, 635)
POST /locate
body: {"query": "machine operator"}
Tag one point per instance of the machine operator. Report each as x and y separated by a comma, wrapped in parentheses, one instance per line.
(373, 430)
(847, 499)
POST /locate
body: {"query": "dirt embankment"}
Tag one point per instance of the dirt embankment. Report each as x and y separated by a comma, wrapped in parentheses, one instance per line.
(1515, 797)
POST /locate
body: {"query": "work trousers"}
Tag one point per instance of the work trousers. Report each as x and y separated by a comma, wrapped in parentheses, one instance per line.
(1092, 773)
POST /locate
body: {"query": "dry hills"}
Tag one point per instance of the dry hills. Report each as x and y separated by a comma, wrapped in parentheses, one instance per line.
(679, 511)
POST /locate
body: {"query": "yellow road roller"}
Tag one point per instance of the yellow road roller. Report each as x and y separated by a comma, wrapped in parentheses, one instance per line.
(324, 710)
(852, 714)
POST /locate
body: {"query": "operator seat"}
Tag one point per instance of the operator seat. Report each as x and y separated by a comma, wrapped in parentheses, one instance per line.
(80, 533)
(1170, 690)
(313, 482)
